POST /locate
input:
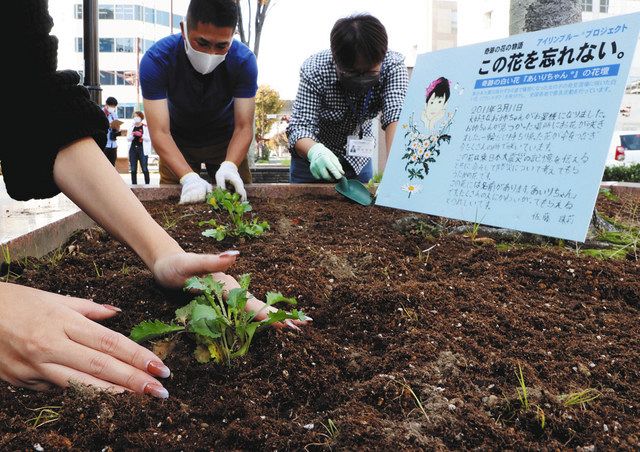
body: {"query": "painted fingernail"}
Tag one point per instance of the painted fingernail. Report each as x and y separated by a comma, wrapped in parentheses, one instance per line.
(111, 308)
(291, 325)
(306, 317)
(156, 390)
(230, 253)
(158, 369)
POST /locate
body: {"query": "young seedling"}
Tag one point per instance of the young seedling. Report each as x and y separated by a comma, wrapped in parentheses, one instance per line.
(405, 387)
(222, 328)
(579, 398)
(223, 200)
(523, 397)
(332, 430)
(99, 272)
(46, 415)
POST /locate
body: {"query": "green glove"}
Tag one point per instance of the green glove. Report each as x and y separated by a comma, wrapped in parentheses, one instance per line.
(324, 163)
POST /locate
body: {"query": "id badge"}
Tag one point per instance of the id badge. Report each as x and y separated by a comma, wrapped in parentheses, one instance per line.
(360, 147)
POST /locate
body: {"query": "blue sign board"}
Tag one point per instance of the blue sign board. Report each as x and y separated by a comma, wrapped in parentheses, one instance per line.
(513, 133)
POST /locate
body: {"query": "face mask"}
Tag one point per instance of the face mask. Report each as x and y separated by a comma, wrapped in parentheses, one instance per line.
(137, 120)
(201, 62)
(111, 109)
(359, 83)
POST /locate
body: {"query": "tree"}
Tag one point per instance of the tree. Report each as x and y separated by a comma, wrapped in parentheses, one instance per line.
(534, 15)
(254, 13)
(268, 104)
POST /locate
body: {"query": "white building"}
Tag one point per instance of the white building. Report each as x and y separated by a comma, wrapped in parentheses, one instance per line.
(126, 29)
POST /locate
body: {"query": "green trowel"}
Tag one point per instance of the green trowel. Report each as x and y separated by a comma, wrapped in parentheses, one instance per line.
(355, 191)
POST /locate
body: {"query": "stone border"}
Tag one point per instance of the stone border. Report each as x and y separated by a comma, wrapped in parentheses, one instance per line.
(43, 240)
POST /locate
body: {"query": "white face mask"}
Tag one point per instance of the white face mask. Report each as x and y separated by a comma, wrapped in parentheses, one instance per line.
(111, 109)
(137, 120)
(201, 62)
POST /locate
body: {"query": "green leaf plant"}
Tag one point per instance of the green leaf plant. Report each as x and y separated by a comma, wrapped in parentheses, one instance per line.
(222, 328)
(223, 200)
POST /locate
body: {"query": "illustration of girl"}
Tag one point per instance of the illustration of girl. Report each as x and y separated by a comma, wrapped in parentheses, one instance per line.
(422, 147)
(437, 95)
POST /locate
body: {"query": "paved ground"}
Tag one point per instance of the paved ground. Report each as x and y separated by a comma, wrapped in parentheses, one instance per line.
(20, 217)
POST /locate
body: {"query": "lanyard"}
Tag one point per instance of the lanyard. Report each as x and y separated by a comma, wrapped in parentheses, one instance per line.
(360, 117)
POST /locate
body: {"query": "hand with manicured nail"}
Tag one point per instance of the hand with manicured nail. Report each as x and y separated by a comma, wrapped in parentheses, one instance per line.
(48, 339)
(174, 269)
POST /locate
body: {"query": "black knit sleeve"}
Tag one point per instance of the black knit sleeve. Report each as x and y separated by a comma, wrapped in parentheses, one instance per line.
(53, 111)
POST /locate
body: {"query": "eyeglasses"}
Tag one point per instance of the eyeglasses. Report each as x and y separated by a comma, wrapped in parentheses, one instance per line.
(357, 73)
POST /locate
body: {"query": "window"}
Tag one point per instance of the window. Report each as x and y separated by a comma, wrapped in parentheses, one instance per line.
(77, 11)
(124, 12)
(587, 6)
(105, 12)
(79, 47)
(162, 18)
(106, 45)
(150, 15)
(125, 78)
(487, 19)
(604, 6)
(125, 111)
(146, 44)
(176, 21)
(107, 78)
(124, 45)
(137, 12)
(630, 142)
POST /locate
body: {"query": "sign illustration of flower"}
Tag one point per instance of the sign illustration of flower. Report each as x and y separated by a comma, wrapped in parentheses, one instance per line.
(422, 149)
(411, 188)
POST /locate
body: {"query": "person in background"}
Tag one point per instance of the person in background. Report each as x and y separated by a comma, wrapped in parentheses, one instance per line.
(51, 339)
(199, 92)
(341, 90)
(138, 136)
(111, 112)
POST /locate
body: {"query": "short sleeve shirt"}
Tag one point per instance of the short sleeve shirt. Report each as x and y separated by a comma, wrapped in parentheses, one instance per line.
(200, 106)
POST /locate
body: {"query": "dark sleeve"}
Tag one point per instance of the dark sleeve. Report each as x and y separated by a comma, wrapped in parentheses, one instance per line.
(56, 108)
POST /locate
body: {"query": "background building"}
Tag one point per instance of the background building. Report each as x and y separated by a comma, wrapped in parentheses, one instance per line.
(126, 29)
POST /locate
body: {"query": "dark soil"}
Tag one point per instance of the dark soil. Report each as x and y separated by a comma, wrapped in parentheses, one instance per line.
(396, 313)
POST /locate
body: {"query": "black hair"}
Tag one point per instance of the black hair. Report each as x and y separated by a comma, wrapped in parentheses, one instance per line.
(359, 36)
(111, 101)
(220, 13)
(441, 89)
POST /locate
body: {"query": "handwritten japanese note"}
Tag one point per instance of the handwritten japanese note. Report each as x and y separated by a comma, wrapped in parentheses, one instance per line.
(518, 135)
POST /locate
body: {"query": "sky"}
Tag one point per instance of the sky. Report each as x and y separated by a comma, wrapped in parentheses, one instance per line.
(296, 29)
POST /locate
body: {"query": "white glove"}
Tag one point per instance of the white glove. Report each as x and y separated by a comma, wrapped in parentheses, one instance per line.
(194, 188)
(323, 163)
(229, 172)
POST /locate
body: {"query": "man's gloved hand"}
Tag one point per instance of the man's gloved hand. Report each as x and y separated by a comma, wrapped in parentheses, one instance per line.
(194, 188)
(229, 172)
(324, 163)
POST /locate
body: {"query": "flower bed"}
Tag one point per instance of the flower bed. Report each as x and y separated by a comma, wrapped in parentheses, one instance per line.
(417, 341)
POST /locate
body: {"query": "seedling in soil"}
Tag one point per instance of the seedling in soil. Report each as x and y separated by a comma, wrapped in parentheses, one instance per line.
(99, 272)
(332, 430)
(169, 222)
(222, 329)
(580, 398)
(523, 397)
(46, 415)
(56, 256)
(6, 262)
(223, 200)
(405, 387)
(607, 193)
